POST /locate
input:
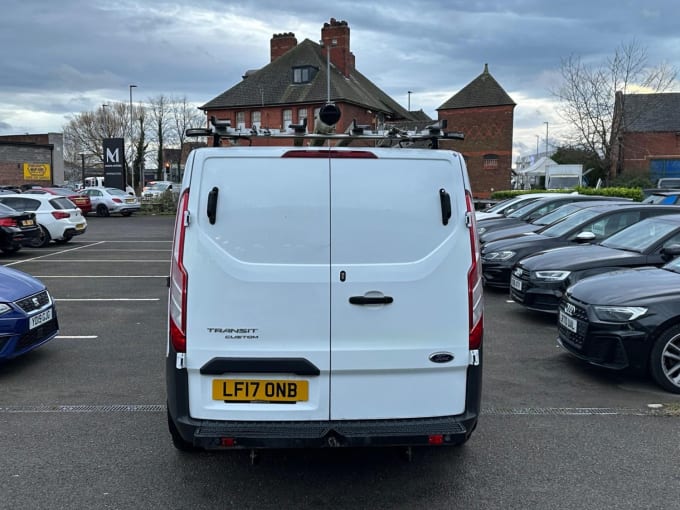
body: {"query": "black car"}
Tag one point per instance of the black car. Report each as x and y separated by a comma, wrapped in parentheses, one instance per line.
(16, 228)
(533, 210)
(626, 320)
(539, 281)
(547, 219)
(591, 224)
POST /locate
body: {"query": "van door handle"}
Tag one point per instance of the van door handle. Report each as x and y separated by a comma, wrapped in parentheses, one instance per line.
(445, 200)
(212, 205)
(371, 300)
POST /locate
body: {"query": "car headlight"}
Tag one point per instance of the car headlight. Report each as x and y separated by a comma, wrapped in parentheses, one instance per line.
(4, 308)
(619, 313)
(499, 255)
(552, 276)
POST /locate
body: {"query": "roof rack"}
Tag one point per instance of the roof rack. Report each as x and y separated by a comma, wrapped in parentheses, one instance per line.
(222, 130)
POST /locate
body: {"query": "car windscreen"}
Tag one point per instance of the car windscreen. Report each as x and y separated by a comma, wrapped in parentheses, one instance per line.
(569, 223)
(640, 236)
(557, 214)
(524, 209)
(115, 191)
(159, 186)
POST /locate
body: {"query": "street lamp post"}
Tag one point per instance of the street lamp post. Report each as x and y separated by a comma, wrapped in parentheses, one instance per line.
(546, 139)
(409, 100)
(537, 138)
(82, 160)
(132, 169)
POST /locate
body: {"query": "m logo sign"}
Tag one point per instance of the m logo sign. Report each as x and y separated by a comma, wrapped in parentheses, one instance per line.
(114, 163)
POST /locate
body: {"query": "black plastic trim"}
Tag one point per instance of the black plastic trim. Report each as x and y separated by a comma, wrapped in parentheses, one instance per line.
(298, 366)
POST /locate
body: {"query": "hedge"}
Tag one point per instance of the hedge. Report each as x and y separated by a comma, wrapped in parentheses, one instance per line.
(632, 193)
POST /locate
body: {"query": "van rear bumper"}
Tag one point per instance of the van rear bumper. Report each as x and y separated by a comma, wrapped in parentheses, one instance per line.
(223, 435)
(212, 435)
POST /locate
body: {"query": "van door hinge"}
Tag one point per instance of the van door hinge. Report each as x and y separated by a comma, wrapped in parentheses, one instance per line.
(474, 358)
(468, 219)
(181, 361)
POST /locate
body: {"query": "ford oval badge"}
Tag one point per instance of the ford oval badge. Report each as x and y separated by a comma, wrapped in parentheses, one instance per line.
(441, 357)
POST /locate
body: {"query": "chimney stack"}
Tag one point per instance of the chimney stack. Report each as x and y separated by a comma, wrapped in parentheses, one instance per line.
(335, 35)
(281, 43)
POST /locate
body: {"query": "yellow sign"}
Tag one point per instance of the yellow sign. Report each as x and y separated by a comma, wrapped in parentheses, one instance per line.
(37, 172)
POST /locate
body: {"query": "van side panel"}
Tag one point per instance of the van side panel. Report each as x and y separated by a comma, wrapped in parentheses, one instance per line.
(262, 291)
(388, 240)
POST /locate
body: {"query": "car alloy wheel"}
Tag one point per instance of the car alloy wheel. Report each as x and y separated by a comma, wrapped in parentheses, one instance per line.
(42, 240)
(665, 359)
(102, 210)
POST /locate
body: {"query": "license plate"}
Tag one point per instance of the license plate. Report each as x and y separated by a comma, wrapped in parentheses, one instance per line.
(40, 318)
(80, 226)
(129, 200)
(250, 390)
(27, 223)
(516, 283)
(568, 322)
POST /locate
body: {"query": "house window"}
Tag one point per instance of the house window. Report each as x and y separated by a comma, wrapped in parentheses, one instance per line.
(240, 120)
(490, 161)
(302, 115)
(256, 118)
(287, 118)
(303, 74)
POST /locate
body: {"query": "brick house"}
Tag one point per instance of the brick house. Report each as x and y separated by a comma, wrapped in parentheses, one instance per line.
(293, 86)
(20, 155)
(484, 112)
(646, 136)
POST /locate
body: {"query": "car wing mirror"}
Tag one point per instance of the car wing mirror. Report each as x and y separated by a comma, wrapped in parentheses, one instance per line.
(585, 237)
(670, 252)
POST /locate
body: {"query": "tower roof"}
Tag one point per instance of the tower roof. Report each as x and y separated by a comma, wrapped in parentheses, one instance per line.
(482, 91)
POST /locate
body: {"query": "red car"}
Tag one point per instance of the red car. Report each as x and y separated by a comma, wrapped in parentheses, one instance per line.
(81, 201)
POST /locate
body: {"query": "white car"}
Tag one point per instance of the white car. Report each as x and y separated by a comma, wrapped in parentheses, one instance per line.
(510, 204)
(155, 190)
(59, 218)
(106, 201)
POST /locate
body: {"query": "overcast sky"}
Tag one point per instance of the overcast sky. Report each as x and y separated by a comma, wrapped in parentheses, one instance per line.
(64, 57)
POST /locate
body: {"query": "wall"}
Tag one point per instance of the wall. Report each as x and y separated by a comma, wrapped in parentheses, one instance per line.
(639, 148)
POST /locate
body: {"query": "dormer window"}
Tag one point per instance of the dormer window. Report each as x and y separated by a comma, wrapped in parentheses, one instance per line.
(304, 74)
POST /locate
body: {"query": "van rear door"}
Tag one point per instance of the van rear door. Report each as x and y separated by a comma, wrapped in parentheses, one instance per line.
(399, 302)
(259, 232)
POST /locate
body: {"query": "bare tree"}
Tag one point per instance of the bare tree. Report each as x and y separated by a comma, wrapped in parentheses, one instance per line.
(83, 134)
(184, 116)
(587, 96)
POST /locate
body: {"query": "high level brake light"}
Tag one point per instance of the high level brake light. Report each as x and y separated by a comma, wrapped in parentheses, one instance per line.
(179, 279)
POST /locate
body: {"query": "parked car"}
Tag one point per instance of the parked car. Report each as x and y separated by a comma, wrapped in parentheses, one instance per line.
(107, 201)
(28, 318)
(539, 281)
(663, 197)
(547, 219)
(58, 218)
(510, 204)
(626, 320)
(533, 210)
(81, 200)
(591, 224)
(155, 189)
(16, 228)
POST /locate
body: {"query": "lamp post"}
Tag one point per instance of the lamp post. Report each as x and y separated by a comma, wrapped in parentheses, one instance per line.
(82, 160)
(409, 100)
(546, 139)
(132, 169)
(537, 138)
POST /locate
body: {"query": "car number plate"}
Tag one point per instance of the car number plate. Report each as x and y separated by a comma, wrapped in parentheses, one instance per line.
(251, 390)
(80, 226)
(27, 223)
(40, 318)
(129, 200)
(516, 283)
(568, 322)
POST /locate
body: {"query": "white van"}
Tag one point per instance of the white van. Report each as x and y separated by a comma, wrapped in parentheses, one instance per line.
(324, 296)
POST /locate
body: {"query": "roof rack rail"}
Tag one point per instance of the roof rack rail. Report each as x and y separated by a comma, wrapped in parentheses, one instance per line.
(222, 130)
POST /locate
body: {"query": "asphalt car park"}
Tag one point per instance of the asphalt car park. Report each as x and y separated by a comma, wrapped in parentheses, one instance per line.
(84, 422)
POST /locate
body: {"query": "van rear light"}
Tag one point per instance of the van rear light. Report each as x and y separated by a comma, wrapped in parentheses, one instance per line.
(475, 294)
(177, 303)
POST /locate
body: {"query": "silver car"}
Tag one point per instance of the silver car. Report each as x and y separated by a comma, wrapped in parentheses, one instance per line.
(106, 201)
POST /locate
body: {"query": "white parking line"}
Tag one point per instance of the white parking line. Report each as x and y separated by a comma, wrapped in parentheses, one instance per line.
(76, 337)
(53, 253)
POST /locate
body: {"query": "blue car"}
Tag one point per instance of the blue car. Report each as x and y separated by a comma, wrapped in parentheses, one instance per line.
(28, 318)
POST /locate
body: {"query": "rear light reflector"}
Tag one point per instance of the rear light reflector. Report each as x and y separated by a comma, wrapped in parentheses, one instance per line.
(435, 439)
(227, 441)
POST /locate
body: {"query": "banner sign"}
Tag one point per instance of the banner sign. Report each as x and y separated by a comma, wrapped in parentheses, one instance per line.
(114, 163)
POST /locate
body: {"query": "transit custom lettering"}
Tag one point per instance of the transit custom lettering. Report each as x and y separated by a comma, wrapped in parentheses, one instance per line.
(236, 333)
